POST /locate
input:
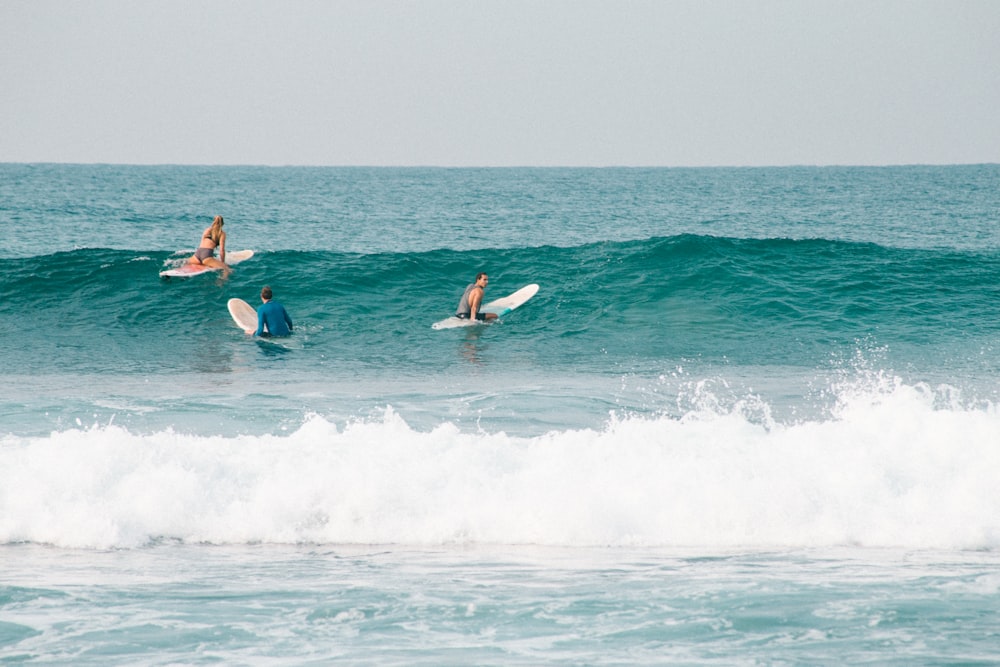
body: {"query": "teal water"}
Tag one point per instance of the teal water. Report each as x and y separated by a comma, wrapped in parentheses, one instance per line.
(499, 606)
(764, 398)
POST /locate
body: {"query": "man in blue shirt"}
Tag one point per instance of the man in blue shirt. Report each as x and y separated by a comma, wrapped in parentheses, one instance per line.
(272, 316)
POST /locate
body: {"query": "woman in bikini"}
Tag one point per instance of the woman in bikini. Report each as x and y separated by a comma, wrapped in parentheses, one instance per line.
(213, 237)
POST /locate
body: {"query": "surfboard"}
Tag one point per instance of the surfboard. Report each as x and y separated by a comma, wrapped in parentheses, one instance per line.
(243, 314)
(186, 270)
(246, 319)
(500, 306)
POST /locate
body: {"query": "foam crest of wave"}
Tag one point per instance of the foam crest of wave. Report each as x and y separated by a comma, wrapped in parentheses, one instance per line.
(893, 467)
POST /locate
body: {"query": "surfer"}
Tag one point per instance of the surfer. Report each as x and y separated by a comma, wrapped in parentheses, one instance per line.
(472, 299)
(272, 316)
(213, 237)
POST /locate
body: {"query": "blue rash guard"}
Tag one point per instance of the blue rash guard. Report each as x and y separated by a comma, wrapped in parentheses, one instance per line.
(274, 317)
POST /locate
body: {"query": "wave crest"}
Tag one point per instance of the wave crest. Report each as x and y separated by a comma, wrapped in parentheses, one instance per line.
(891, 468)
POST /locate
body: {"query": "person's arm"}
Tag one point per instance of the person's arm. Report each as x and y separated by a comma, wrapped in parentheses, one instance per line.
(288, 319)
(475, 298)
(260, 322)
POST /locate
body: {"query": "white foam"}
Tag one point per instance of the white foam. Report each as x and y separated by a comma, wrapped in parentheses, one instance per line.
(896, 465)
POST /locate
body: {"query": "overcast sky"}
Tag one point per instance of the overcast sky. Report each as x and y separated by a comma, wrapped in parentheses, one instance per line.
(504, 82)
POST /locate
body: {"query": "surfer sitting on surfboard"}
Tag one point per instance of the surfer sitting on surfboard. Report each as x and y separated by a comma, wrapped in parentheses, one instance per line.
(272, 316)
(213, 237)
(472, 298)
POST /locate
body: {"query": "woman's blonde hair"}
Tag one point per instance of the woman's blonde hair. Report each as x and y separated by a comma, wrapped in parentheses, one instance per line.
(215, 232)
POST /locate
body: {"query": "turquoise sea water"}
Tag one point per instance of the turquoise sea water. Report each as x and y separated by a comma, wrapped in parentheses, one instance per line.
(750, 417)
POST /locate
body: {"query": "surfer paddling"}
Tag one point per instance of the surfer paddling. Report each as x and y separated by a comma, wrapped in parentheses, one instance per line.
(213, 237)
(472, 299)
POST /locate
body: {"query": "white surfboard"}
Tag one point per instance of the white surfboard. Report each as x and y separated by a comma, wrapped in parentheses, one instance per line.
(243, 314)
(186, 269)
(500, 306)
(246, 318)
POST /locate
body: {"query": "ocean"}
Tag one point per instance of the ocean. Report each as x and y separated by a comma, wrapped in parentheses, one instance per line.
(752, 417)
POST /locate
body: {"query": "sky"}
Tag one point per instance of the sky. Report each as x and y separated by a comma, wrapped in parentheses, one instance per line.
(500, 82)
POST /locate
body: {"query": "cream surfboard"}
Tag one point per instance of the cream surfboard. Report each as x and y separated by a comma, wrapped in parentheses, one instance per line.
(245, 318)
(243, 314)
(499, 306)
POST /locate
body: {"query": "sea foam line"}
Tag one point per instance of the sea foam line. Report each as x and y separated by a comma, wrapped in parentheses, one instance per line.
(889, 468)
